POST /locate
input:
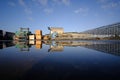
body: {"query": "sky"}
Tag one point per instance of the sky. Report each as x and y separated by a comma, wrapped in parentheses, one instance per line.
(72, 15)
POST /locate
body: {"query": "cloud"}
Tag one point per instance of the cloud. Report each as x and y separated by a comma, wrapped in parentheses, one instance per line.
(81, 10)
(102, 1)
(110, 5)
(33, 0)
(24, 5)
(28, 11)
(66, 2)
(12, 4)
(43, 2)
(30, 18)
(48, 10)
(56, 1)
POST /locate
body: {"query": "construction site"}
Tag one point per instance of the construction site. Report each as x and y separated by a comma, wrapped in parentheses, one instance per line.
(108, 32)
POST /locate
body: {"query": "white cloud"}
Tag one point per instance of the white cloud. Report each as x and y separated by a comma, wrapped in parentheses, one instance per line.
(66, 2)
(48, 10)
(81, 10)
(102, 1)
(56, 1)
(110, 5)
(30, 18)
(33, 0)
(43, 2)
(11, 4)
(46, 6)
(24, 5)
(28, 11)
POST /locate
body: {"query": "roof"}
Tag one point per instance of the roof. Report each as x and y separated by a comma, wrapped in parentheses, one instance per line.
(50, 28)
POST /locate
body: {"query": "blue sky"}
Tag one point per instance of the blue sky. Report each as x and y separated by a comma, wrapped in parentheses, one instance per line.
(72, 15)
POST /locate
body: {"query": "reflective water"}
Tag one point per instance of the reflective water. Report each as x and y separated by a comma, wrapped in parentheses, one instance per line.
(59, 60)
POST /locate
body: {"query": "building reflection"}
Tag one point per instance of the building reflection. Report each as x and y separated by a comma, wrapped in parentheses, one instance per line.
(22, 45)
(5, 44)
(107, 48)
(38, 44)
(54, 46)
(111, 47)
(26, 45)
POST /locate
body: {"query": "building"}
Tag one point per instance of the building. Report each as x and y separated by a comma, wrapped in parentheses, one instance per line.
(6, 35)
(108, 31)
(111, 31)
(55, 31)
(75, 35)
(1, 35)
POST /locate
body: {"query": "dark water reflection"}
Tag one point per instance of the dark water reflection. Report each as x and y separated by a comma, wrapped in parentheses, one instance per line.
(59, 60)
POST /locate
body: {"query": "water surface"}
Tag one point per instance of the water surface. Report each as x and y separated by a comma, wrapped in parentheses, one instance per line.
(59, 60)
